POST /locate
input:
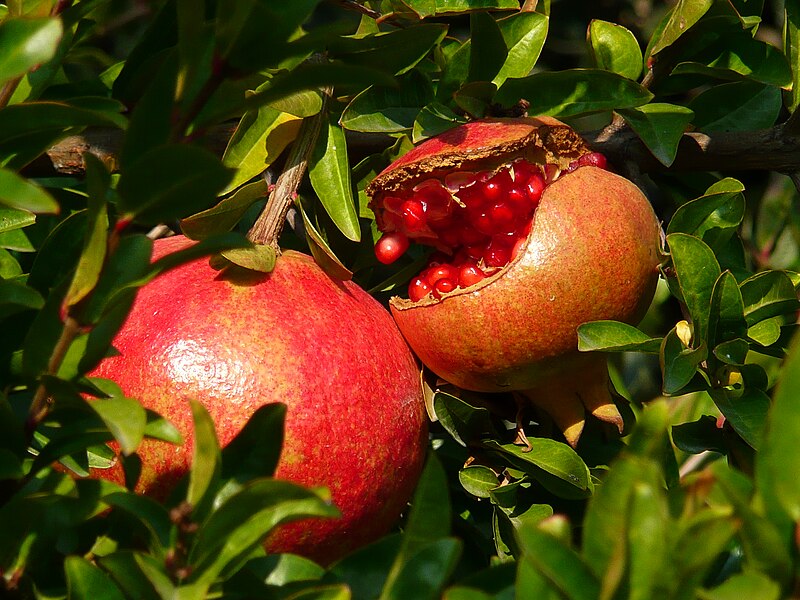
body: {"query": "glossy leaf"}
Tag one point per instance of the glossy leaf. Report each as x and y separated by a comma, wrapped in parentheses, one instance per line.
(699, 436)
(259, 139)
(524, 34)
(683, 16)
(388, 110)
(397, 51)
(306, 103)
(697, 270)
(558, 564)
(678, 363)
(206, 456)
(746, 412)
(791, 49)
(258, 257)
(768, 294)
(323, 255)
(465, 422)
(648, 528)
(255, 450)
(478, 480)
(12, 218)
(614, 336)
(226, 214)
(431, 8)
(573, 92)
(615, 48)
(429, 519)
(726, 316)
(425, 573)
(488, 48)
(27, 44)
(329, 170)
(751, 585)
(125, 418)
(17, 297)
(550, 456)
(147, 511)
(17, 193)
(433, 119)
(85, 580)
(737, 106)
(713, 217)
(93, 256)
(170, 182)
(124, 568)
(732, 352)
(660, 126)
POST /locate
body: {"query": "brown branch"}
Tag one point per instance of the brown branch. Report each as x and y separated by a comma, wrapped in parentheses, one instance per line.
(774, 149)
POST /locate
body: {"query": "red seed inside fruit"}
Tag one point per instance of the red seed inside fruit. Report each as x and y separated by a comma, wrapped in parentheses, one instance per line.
(478, 221)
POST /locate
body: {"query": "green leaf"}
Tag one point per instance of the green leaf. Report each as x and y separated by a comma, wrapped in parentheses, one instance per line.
(573, 92)
(258, 141)
(558, 564)
(463, 421)
(488, 48)
(678, 363)
(726, 315)
(478, 480)
(465, 593)
(329, 170)
(766, 332)
(18, 193)
(255, 450)
(699, 436)
(751, 585)
(429, 519)
(226, 214)
(170, 182)
(648, 527)
(305, 103)
(124, 568)
(737, 106)
(615, 49)
(768, 294)
(86, 581)
(324, 592)
(714, 217)
(16, 297)
(125, 419)
(150, 513)
(791, 49)
(424, 575)
(745, 411)
(320, 250)
(433, 119)
(697, 270)
(388, 110)
(660, 126)
(732, 352)
(258, 257)
(93, 256)
(27, 43)
(236, 528)
(12, 219)
(613, 336)
(550, 456)
(741, 55)
(685, 14)
(396, 51)
(524, 34)
(206, 457)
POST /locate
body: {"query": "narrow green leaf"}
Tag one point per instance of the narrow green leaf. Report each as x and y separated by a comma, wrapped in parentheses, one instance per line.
(697, 270)
(320, 249)
(433, 119)
(613, 336)
(424, 575)
(465, 422)
(573, 92)
(129, 576)
(678, 363)
(18, 193)
(766, 332)
(615, 49)
(255, 450)
(558, 564)
(324, 592)
(226, 214)
(685, 14)
(714, 217)
(170, 182)
(488, 49)
(648, 528)
(389, 110)
(17, 297)
(93, 256)
(737, 106)
(259, 139)
(206, 457)
(329, 170)
(660, 126)
(147, 511)
(305, 103)
(125, 418)
(429, 518)
(86, 581)
(27, 43)
(524, 34)
(791, 49)
(259, 257)
(726, 315)
(745, 411)
(478, 480)
(750, 585)
(12, 218)
(768, 294)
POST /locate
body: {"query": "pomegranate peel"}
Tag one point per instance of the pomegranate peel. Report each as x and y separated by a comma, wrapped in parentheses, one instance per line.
(586, 248)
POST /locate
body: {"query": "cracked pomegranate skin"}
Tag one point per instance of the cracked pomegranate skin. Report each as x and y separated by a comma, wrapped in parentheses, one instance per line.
(355, 419)
(592, 254)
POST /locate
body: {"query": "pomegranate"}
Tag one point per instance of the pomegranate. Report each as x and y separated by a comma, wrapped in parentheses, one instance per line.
(355, 419)
(532, 237)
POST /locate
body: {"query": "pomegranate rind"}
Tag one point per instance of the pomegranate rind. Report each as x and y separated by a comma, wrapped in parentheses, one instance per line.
(483, 144)
(592, 254)
(355, 420)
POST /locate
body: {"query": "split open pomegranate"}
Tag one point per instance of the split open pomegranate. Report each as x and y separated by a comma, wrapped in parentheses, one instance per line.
(532, 237)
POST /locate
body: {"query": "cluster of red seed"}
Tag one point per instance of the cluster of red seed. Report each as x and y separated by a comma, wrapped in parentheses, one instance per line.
(478, 221)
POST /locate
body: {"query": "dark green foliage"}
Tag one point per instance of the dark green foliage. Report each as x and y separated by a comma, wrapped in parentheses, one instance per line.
(701, 497)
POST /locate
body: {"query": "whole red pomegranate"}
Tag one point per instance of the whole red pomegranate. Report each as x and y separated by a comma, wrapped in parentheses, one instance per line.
(534, 237)
(355, 419)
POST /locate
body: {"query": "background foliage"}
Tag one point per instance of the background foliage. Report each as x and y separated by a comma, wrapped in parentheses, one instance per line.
(121, 119)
